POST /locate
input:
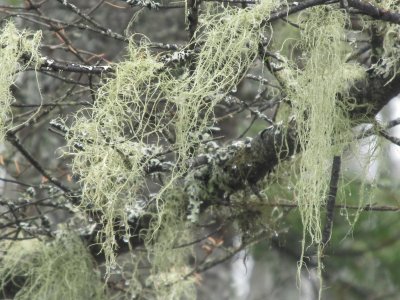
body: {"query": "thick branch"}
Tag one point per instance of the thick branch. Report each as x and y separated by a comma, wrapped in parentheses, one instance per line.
(372, 94)
(375, 12)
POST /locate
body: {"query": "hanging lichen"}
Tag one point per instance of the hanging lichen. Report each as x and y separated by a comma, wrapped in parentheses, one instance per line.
(146, 106)
(230, 41)
(58, 269)
(322, 125)
(18, 49)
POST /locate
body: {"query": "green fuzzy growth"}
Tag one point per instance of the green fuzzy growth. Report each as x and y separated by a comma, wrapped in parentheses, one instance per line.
(145, 105)
(14, 45)
(322, 125)
(60, 269)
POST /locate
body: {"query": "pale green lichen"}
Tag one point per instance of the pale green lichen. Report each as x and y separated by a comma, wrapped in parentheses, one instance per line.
(58, 269)
(388, 64)
(322, 125)
(169, 251)
(162, 271)
(111, 142)
(18, 50)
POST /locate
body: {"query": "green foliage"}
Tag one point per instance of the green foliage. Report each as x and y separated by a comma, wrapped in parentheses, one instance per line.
(356, 251)
(15, 2)
(58, 269)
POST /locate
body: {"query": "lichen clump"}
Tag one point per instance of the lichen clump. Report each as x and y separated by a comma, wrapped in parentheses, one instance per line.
(110, 149)
(146, 108)
(18, 50)
(58, 269)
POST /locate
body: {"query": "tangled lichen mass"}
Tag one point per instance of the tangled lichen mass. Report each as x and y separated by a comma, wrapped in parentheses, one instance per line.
(157, 107)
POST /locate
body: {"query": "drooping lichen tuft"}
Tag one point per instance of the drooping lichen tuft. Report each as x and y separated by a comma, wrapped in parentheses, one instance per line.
(59, 269)
(229, 42)
(322, 125)
(18, 49)
(110, 144)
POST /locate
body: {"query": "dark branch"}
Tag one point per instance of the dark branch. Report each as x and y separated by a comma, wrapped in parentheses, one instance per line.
(330, 203)
(15, 142)
(52, 65)
(375, 12)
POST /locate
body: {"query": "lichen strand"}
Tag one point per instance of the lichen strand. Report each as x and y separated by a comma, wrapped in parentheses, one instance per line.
(322, 125)
(162, 272)
(18, 49)
(58, 269)
(145, 105)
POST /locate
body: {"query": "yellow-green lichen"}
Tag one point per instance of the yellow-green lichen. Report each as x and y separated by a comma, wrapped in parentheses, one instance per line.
(322, 125)
(18, 49)
(111, 141)
(58, 269)
(170, 251)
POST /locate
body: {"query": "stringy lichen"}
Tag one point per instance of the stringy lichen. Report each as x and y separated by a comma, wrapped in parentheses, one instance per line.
(322, 125)
(60, 269)
(18, 49)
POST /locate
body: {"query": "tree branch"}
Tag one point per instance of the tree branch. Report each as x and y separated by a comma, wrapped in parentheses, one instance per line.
(367, 8)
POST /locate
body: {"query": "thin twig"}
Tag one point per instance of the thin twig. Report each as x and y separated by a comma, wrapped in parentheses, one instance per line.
(16, 143)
